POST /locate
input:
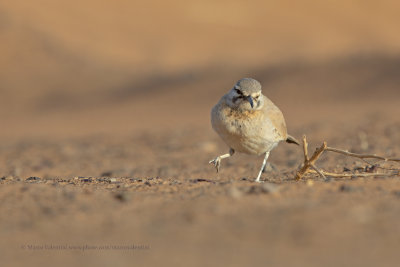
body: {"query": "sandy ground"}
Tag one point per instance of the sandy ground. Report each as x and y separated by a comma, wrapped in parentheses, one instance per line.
(149, 184)
(105, 138)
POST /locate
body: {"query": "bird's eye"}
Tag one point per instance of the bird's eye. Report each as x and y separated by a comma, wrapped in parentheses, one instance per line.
(238, 92)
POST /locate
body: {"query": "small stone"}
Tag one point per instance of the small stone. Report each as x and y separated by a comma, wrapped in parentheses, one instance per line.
(113, 180)
(33, 178)
(198, 180)
(358, 169)
(310, 182)
(372, 168)
(135, 180)
(7, 178)
(86, 179)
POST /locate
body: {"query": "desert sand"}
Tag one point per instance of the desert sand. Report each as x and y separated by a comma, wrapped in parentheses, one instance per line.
(106, 134)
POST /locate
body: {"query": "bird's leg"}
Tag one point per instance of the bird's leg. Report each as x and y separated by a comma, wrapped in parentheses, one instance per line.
(262, 167)
(217, 160)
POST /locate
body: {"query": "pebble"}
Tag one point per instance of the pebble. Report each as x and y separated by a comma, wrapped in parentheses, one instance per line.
(7, 178)
(33, 178)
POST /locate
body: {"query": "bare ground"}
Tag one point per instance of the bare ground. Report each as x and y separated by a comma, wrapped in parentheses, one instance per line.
(122, 173)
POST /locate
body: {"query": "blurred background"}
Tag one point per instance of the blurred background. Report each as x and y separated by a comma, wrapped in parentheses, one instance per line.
(85, 67)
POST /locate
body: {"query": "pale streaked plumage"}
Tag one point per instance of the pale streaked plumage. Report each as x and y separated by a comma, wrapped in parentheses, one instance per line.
(248, 122)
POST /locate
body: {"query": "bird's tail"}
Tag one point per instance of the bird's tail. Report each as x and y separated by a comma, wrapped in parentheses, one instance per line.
(291, 140)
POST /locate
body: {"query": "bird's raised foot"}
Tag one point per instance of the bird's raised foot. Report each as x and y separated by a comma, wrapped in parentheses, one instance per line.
(216, 162)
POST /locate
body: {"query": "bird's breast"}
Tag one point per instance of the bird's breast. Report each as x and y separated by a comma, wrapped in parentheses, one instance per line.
(246, 131)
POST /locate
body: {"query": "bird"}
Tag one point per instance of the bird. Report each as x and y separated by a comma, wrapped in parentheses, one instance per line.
(248, 122)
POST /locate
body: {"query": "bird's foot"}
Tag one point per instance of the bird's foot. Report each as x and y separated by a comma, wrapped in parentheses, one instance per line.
(216, 162)
(258, 180)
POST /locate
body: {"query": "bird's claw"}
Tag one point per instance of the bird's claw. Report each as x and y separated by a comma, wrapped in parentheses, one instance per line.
(216, 162)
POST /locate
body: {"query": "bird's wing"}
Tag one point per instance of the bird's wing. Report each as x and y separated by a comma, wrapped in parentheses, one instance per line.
(276, 117)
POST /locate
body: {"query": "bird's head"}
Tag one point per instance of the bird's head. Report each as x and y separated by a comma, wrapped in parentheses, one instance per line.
(246, 95)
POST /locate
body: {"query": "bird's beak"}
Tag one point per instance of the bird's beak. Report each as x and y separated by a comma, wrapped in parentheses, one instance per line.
(250, 99)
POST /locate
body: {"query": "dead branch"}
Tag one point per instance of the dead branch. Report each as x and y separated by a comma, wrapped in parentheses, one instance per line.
(338, 175)
(309, 162)
(361, 156)
(310, 167)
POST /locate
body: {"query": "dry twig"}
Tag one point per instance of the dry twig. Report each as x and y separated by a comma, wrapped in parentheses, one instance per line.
(309, 163)
(361, 156)
(338, 175)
